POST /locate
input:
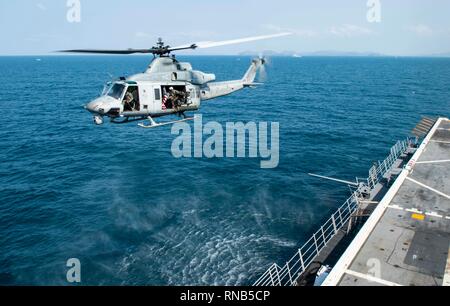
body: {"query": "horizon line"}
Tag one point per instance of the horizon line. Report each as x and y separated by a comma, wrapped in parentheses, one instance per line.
(308, 54)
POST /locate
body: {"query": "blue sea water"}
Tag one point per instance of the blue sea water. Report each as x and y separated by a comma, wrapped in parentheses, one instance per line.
(114, 197)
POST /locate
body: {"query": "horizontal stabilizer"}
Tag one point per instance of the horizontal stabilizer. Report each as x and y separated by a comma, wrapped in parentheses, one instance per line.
(252, 84)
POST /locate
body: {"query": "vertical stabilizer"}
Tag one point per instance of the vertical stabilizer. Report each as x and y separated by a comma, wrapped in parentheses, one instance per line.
(250, 75)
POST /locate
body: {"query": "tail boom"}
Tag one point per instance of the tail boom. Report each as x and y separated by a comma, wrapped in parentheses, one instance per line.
(218, 89)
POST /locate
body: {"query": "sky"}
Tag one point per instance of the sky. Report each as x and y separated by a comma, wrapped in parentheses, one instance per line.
(405, 27)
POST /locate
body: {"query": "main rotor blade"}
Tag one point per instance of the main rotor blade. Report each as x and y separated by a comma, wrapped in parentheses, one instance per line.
(94, 51)
(167, 49)
(212, 44)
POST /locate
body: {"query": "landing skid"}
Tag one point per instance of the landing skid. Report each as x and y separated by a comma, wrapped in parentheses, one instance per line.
(154, 124)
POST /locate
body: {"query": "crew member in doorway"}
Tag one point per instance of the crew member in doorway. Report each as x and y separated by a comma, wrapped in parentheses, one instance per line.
(177, 98)
(129, 102)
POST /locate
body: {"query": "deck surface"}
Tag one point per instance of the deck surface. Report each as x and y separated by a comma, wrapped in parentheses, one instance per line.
(409, 245)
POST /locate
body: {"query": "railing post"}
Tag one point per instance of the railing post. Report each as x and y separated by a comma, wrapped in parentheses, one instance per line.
(323, 237)
(271, 277)
(315, 243)
(348, 204)
(372, 173)
(289, 273)
(278, 275)
(334, 224)
(301, 260)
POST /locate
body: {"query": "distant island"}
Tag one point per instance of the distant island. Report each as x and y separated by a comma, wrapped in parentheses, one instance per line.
(317, 53)
(332, 53)
(441, 55)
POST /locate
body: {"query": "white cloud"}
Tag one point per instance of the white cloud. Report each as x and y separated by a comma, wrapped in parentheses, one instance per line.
(346, 30)
(202, 34)
(41, 6)
(305, 33)
(272, 27)
(350, 30)
(421, 30)
(298, 32)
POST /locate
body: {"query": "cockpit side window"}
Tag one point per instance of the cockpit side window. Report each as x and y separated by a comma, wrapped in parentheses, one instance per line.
(157, 94)
(116, 91)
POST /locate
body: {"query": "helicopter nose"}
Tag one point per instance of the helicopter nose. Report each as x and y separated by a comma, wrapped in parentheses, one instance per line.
(97, 106)
(92, 106)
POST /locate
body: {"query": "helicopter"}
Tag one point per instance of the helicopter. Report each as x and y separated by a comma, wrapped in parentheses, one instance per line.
(167, 87)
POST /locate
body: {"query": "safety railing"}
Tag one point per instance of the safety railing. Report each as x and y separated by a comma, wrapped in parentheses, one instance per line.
(377, 172)
(288, 274)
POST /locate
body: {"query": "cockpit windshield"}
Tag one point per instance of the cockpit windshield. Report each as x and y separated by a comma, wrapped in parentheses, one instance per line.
(116, 91)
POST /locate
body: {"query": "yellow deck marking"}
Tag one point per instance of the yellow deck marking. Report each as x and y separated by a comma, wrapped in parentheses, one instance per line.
(418, 217)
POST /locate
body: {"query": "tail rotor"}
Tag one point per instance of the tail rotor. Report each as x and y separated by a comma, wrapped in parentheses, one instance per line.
(262, 76)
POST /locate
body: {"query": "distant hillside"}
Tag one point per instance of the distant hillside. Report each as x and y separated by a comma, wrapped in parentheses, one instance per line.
(340, 53)
(317, 53)
(441, 55)
(331, 53)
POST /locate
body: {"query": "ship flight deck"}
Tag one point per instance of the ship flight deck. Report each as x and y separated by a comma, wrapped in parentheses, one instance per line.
(406, 240)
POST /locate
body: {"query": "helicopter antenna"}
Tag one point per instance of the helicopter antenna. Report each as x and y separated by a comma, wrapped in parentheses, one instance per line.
(160, 43)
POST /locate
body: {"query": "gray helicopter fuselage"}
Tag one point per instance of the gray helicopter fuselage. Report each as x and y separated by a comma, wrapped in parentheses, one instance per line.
(151, 89)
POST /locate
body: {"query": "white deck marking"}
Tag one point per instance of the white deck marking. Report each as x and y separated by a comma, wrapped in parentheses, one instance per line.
(446, 281)
(434, 161)
(368, 202)
(429, 188)
(440, 141)
(414, 210)
(433, 214)
(371, 278)
(396, 207)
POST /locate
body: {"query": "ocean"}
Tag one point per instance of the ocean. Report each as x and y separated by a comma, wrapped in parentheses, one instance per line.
(114, 197)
